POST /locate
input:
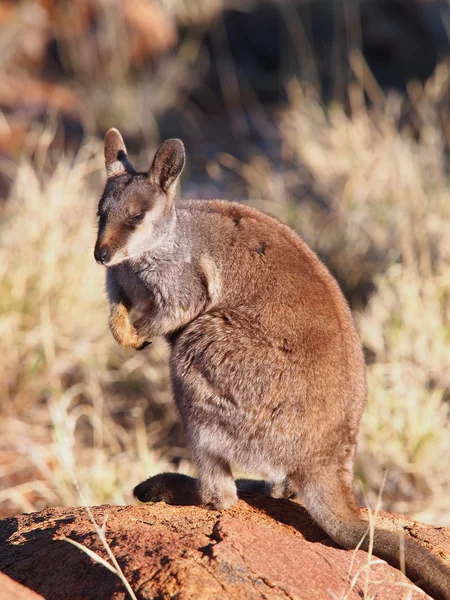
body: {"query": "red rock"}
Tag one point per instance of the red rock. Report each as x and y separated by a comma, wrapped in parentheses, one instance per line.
(11, 590)
(260, 549)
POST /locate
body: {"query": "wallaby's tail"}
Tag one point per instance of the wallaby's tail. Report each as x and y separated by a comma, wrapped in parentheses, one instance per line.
(331, 502)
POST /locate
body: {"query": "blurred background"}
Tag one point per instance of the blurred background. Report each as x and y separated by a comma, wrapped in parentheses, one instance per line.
(333, 115)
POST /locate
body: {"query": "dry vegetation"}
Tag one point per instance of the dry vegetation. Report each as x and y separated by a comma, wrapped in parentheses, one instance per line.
(62, 376)
(74, 404)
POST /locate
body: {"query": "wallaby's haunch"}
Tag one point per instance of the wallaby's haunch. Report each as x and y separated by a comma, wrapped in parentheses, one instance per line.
(266, 365)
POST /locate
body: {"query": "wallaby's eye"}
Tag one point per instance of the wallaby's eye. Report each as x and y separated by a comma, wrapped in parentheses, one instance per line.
(137, 218)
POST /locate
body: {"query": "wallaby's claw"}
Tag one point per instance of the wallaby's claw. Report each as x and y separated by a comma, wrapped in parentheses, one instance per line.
(144, 345)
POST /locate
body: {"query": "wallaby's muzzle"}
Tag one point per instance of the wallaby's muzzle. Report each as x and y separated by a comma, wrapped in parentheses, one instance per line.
(101, 254)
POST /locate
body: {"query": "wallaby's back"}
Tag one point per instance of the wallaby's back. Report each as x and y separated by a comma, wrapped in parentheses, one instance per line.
(286, 310)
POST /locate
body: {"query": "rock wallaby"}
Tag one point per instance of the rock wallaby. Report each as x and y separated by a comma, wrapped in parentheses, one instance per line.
(266, 364)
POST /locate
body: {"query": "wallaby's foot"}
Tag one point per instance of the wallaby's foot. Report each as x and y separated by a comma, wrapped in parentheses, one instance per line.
(258, 487)
(217, 498)
(179, 489)
(172, 488)
(282, 489)
(216, 484)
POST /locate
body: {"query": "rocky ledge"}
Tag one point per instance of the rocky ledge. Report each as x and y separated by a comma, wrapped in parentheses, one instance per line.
(260, 549)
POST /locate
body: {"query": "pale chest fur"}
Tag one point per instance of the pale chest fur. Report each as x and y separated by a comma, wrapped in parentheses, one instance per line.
(167, 287)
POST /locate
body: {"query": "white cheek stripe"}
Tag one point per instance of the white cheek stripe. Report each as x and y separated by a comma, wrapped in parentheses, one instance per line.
(141, 238)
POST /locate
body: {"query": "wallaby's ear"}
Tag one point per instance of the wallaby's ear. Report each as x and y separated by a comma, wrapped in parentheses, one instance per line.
(116, 160)
(168, 163)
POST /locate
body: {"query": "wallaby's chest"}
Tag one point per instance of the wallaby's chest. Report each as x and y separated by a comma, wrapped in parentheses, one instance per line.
(152, 285)
(139, 286)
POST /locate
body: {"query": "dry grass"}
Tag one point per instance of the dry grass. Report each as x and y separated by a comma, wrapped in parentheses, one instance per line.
(71, 400)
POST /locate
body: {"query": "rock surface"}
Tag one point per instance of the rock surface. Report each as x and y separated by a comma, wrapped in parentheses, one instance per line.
(11, 590)
(260, 549)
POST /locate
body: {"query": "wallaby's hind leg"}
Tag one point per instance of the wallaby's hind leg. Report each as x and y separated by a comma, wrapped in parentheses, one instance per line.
(217, 488)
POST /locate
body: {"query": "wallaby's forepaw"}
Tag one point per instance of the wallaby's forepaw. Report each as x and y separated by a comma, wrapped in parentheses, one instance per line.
(124, 331)
(172, 488)
(129, 339)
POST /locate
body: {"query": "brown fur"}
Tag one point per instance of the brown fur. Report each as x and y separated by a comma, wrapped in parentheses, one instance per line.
(267, 368)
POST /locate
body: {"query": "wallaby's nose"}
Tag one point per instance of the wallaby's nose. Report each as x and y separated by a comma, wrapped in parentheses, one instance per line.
(101, 254)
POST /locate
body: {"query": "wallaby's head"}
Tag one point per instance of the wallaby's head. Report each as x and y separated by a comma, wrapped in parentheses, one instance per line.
(135, 209)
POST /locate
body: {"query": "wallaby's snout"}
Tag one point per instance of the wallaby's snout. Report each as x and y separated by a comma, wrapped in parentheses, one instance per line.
(135, 211)
(101, 254)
